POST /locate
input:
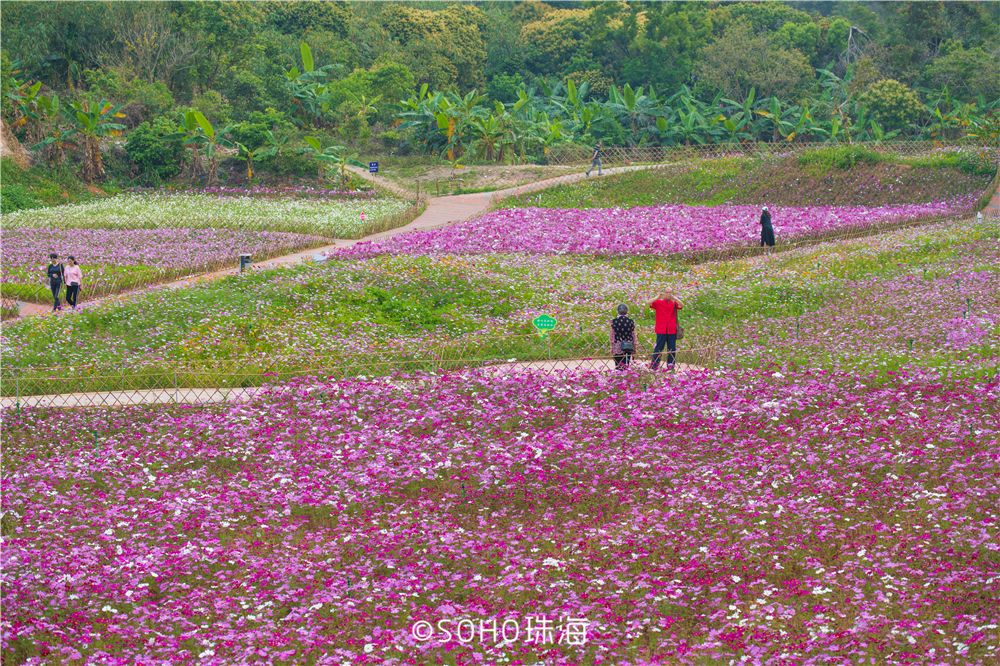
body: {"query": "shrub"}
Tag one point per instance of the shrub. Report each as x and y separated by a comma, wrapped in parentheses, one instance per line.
(976, 163)
(840, 157)
(14, 196)
(893, 104)
(156, 150)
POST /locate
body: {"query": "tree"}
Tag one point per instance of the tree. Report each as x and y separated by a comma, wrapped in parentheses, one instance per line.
(742, 59)
(893, 105)
(156, 149)
(966, 73)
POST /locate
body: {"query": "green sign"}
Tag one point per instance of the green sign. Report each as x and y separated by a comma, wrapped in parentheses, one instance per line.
(544, 324)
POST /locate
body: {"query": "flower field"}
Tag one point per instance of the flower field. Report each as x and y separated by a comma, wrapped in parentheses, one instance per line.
(655, 230)
(118, 260)
(330, 219)
(771, 516)
(853, 303)
(131, 241)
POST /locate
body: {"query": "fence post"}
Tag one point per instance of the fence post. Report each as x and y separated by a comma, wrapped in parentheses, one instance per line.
(175, 386)
(17, 393)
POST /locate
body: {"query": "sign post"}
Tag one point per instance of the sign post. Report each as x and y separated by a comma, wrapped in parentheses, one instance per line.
(543, 324)
(373, 167)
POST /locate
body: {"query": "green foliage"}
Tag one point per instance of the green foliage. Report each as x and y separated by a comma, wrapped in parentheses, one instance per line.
(39, 187)
(979, 163)
(156, 149)
(322, 64)
(966, 73)
(840, 157)
(743, 59)
(140, 100)
(15, 196)
(893, 104)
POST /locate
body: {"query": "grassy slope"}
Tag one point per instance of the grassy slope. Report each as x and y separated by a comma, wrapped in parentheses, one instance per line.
(39, 187)
(778, 182)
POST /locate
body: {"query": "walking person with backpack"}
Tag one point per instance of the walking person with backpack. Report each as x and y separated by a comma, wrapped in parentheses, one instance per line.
(595, 161)
(55, 273)
(623, 338)
(668, 331)
(74, 277)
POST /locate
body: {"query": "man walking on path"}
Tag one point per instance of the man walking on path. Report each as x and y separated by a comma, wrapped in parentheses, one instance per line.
(766, 230)
(596, 159)
(665, 307)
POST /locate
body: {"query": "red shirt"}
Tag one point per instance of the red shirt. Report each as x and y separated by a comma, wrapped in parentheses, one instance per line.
(666, 316)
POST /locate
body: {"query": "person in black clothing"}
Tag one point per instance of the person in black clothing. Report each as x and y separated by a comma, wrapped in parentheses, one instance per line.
(766, 230)
(55, 274)
(623, 338)
(595, 161)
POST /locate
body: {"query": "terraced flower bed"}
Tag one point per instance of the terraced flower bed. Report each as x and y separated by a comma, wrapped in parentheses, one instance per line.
(657, 230)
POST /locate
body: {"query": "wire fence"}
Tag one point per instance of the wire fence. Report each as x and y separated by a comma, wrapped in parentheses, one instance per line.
(241, 379)
(574, 154)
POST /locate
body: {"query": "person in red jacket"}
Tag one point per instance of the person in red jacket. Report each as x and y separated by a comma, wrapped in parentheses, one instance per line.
(665, 307)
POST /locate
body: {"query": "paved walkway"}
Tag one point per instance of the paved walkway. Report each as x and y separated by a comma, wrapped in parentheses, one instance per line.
(205, 396)
(440, 212)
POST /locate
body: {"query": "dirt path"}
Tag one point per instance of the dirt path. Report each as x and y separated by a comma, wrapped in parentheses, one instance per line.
(440, 212)
(206, 396)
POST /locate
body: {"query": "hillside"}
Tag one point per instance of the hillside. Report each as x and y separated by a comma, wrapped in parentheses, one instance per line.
(824, 177)
(38, 187)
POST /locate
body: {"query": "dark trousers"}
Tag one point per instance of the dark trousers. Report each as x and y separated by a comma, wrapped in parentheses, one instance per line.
(72, 293)
(56, 287)
(596, 162)
(668, 339)
(622, 361)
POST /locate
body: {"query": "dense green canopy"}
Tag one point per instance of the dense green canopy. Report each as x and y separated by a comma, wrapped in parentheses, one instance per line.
(500, 81)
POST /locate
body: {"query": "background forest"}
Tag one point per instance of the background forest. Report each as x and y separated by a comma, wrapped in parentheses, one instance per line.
(200, 92)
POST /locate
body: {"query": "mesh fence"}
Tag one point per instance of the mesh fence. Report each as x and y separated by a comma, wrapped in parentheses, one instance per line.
(241, 379)
(572, 154)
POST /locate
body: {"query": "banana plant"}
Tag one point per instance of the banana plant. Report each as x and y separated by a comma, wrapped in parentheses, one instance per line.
(92, 122)
(57, 137)
(248, 155)
(488, 136)
(334, 158)
(203, 134)
(311, 98)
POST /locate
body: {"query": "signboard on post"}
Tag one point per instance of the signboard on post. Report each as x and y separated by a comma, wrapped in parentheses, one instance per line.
(373, 167)
(543, 324)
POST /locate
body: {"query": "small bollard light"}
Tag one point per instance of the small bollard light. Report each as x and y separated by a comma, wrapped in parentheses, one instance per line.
(979, 217)
(244, 262)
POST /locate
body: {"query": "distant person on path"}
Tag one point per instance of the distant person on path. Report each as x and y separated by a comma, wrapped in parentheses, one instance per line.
(666, 328)
(623, 338)
(595, 161)
(74, 278)
(55, 274)
(766, 230)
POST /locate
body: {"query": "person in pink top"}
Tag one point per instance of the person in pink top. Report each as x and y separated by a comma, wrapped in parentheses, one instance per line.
(74, 277)
(665, 307)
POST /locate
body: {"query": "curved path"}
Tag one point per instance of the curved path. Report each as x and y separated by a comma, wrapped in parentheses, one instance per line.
(440, 212)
